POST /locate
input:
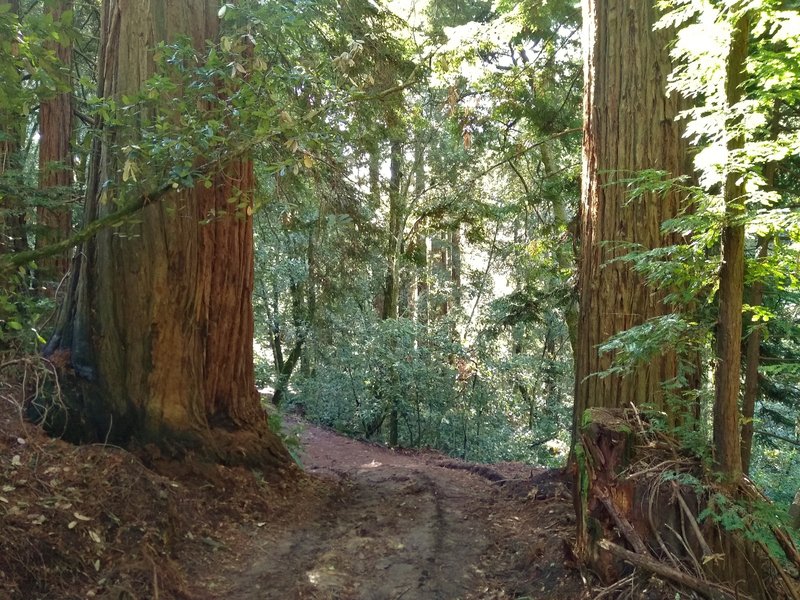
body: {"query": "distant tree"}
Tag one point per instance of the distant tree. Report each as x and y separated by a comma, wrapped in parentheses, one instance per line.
(12, 127)
(158, 323)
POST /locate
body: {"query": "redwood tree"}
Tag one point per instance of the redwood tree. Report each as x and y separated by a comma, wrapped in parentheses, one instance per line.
(55, 160)
(629, 125)
(158, 323)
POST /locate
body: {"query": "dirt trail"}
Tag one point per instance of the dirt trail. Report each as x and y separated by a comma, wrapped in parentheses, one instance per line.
(388, 525)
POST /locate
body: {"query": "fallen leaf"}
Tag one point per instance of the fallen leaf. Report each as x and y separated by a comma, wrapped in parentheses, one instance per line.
(72, 524)
(81, 517)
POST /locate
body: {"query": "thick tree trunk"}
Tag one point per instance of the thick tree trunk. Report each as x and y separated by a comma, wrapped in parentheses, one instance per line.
(727, 445)
(55, 165)
(629, 125)
(158, 325)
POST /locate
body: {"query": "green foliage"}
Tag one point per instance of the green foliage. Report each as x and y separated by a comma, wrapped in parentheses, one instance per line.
(755, 520)
(469, 373)
(289, 437)
(21, 312)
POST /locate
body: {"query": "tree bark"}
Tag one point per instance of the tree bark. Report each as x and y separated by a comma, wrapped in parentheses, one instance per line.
(727, 447)
(55, 165)
(752, 361)
(158, 323)
(629, 125)
(753, 347)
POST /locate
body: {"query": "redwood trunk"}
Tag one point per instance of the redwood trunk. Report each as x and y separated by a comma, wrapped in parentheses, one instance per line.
(752, 362)
(158, 325)
(753, 346)
(55, 164)
(629, 125)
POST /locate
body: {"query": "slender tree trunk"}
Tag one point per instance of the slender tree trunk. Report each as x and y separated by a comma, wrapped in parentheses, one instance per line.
(420, 255)
(395, 249)
(158, 325)
(13, 237)
(629, 125)
(306, 365)
(752, 361)
(753, 348)
(727, 445)
(455, 268)
(55, 164)
(374, 169)
(564, 261)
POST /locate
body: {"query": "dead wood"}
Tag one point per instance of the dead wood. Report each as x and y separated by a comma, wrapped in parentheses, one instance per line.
(623, 524)
(681, 578)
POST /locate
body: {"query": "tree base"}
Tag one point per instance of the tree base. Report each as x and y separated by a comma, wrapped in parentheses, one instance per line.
(72, 409)
(639, 500)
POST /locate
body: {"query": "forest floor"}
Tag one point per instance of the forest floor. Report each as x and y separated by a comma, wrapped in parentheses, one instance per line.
(362, 522)
(395, 524)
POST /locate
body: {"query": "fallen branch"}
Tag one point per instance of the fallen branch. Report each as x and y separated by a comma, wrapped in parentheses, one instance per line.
(623, 524)
(115, 218)
(692, 522)
(648, 563)
(789, 549)
(790, 586)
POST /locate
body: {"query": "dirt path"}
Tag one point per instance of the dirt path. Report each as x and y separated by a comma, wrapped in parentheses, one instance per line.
(386, 525)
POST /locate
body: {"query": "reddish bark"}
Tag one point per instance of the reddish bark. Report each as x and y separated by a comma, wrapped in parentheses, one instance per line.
(158, 324)
(55, 163)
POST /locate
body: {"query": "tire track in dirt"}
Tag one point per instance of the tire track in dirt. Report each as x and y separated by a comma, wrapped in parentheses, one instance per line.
(396, 531)
(390, 525)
